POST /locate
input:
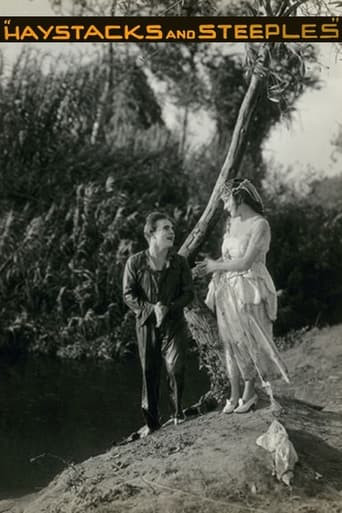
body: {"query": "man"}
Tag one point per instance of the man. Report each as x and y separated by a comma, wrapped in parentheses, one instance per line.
(157, 285)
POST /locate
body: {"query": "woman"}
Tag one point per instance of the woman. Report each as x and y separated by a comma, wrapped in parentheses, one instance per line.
(243, 296)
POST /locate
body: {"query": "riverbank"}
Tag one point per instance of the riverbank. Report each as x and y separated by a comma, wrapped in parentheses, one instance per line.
(211, 463)
(55, 412)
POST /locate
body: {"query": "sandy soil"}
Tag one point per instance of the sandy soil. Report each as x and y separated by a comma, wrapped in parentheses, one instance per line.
(211, 463)
(315, 364)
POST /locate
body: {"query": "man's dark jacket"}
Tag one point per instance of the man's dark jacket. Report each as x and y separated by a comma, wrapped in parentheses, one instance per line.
(143, 287)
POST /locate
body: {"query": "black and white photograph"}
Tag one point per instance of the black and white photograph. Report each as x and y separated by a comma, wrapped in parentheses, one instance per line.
(170, 262)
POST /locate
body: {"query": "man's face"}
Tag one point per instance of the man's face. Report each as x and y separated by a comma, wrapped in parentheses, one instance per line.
(164, 235)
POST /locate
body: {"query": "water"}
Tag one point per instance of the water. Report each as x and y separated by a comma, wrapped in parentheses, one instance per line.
(56, 412)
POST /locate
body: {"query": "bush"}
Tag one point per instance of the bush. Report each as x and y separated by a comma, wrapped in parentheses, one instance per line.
(86, 158)
(306, 263)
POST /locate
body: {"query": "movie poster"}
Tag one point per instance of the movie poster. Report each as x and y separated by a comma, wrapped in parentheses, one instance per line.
(111, 110)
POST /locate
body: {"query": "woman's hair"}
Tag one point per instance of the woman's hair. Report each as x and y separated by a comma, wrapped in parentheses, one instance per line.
(151, 223)
(243, 191)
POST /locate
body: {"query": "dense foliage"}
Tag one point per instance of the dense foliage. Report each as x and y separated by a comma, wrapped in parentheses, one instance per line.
(306, 263)
(83, 160)
(85, 154)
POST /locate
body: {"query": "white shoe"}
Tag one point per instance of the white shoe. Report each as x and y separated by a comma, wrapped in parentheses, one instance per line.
(178, 420)
(229, 407)
(144, 431)
(246, 406)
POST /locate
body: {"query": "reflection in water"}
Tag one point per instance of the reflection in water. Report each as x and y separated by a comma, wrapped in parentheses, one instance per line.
(68, 411)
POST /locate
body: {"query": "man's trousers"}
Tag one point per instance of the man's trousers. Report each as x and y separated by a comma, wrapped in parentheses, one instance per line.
(155, 345)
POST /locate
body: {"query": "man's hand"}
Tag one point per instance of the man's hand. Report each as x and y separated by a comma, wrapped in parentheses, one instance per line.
(208, 266)
(160, 311)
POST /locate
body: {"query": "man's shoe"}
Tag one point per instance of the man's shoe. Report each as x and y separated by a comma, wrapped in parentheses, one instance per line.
(178, 420)
(145, 431)
(175, 421)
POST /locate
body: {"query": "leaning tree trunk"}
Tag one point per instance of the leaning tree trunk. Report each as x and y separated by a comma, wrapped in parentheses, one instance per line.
(201, 321)
(234, 156)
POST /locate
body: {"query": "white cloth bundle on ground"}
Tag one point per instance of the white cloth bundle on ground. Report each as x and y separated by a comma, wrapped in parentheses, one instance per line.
(276, 441)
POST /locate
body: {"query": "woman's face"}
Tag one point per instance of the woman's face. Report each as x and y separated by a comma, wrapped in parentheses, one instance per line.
(230, 205)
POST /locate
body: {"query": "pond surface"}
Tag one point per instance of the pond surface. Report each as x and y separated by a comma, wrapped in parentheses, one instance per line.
(56, 412)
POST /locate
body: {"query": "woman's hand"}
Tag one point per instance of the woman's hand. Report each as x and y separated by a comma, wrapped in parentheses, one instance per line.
(208, 266)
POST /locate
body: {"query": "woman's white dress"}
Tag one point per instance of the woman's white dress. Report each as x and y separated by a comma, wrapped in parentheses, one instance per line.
(246, 304)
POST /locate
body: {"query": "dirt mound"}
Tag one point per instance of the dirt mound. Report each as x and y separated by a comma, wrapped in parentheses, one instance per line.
(315, 365)
(211, 463)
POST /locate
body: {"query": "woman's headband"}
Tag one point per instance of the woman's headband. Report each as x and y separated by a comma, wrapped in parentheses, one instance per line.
(245, 185)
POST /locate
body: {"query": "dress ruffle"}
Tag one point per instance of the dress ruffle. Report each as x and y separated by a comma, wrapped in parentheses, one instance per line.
(254, 286)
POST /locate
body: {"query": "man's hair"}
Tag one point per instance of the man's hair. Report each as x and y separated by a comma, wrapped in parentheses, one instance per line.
(151, 223)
